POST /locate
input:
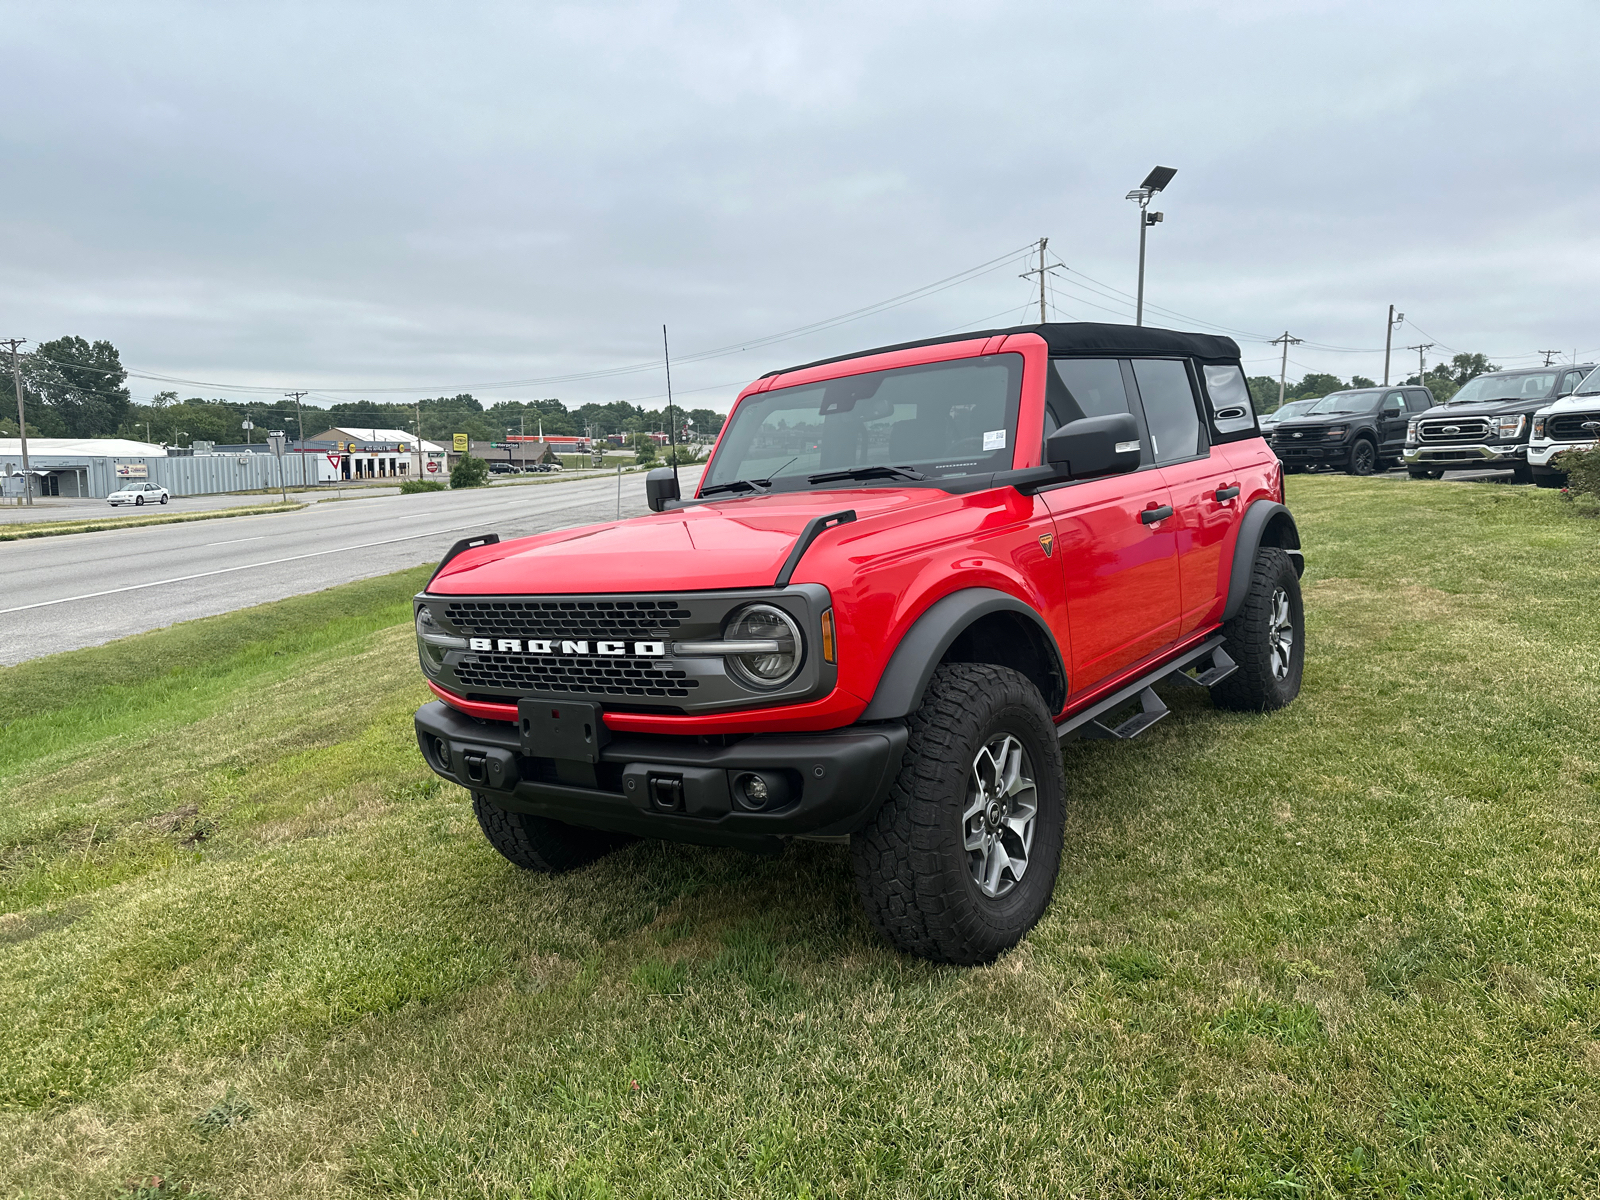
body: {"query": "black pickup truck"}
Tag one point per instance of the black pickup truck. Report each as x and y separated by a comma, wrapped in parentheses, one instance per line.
(1485, 425)
(1360, 431)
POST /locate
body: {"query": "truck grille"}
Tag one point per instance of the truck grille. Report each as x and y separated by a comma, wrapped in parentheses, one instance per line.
(513, 674)
(1569, 427)
(1445, 430)
(644, 619)
(1300, 433)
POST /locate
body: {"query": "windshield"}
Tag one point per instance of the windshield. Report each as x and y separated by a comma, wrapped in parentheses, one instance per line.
(1292, 409)
(1346, 402)
(941, 419)
(1590, 384)
(1504, 386)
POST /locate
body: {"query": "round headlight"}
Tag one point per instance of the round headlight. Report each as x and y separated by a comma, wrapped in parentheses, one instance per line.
(765, 623)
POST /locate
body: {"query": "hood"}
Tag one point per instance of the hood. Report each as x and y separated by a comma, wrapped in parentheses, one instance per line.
(733, 543)
(1489, 408)
(1289, 424)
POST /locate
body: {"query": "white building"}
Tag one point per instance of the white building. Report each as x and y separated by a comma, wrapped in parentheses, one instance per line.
(75, 466)
(368, 453)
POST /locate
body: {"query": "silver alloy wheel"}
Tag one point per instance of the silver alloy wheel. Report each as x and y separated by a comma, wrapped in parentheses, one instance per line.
(1280, 634)
(997, 826)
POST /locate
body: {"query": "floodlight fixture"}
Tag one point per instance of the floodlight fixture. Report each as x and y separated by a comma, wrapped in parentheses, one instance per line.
(1158, 178)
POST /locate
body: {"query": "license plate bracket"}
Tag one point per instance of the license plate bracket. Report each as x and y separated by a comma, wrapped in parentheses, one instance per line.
(569, 729)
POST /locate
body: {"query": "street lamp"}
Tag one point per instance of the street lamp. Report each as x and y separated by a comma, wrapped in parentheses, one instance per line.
(1154, 182)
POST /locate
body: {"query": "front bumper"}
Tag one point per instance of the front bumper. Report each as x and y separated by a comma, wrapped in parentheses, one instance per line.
(822, 785)
(1313, 454)
(1540, 455)
(1465, 457)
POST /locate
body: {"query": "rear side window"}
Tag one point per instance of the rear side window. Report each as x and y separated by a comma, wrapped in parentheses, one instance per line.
(1232, 415)
(1089, 387)
(1417, 401)
(1169, 408)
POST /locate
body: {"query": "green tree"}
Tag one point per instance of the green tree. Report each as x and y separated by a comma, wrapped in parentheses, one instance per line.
(706, 422)
(81, 383)
(644, 450)
(1315, 385)
(469, 472)
(1361, 381)
(1263, 393)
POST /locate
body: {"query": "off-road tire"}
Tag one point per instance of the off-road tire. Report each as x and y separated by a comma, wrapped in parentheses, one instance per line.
(1522, 474)
(538, 843)
(911, 865)
(1255, 686)
(1549, 479)
(1363, 457)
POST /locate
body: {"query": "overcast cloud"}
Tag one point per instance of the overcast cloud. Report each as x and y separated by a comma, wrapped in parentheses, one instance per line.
(435, 197)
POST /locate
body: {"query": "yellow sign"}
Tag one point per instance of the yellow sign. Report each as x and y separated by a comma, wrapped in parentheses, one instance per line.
(461, 443)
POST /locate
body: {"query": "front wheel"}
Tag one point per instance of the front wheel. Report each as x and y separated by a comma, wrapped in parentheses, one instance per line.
(1522, 473)
(961, 859)
(1363, 458)
(1549, 479)
(538, 843)
(138, 501)
(163, 499)
(1266, 638)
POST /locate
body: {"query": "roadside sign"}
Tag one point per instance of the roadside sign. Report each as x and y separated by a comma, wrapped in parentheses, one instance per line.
(461, 443)
(333, 459)
(433, 468)
(275, 442)
(132, 471)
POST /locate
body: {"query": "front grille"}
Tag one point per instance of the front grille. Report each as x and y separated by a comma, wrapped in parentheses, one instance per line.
(514, 674)
(643, 619)
(1303, 433)
(1467, 429)
(1569, 427)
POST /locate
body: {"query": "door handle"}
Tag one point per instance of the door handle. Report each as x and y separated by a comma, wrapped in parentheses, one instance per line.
(1151, 515)
(1227, 493)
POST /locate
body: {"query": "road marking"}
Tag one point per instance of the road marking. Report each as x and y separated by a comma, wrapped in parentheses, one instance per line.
(134, 587)
(236, 541)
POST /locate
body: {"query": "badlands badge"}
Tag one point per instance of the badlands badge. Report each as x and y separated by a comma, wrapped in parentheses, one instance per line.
(1048, 541)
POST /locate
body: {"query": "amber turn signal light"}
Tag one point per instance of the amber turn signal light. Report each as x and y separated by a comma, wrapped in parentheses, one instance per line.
(827, 636)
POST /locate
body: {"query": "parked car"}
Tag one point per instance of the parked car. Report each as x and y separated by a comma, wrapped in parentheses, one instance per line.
(1360, 431)
(1486, 425)
(502, 468)
(1572, 423)
(1290, 408)
(906, 577)
(138, 493)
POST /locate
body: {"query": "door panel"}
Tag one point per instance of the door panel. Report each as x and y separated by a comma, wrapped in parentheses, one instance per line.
(1392, 420)
(1202, 525)
(1121, 574)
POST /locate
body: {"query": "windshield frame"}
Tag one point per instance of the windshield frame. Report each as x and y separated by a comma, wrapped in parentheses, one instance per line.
(733, 461)
(1316, 410)
(1554, 375)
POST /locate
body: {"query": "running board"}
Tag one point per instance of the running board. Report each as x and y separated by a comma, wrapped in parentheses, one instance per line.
(1210, 663)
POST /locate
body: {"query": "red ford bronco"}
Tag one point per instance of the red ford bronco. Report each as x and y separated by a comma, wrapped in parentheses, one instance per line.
(906, 575)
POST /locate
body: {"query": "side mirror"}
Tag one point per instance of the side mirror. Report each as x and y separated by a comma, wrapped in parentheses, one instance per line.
(660, 486)
(1094, 446)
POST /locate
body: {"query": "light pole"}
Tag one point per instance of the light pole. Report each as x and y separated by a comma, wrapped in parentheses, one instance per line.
(1154, 182)
(1388, 340)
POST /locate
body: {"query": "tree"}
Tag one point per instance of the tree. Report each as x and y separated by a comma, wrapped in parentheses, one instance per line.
(706, 422)
(1263, 393)
(469, 472)
(83, 384)
(644, 450)
(1314, 385)
(1361, 381)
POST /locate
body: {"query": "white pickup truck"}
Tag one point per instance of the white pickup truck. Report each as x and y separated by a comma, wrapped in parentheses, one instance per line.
(1571, 423)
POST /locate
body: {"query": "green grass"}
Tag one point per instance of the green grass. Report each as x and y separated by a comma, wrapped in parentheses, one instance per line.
(1349, 949)
(19, 531)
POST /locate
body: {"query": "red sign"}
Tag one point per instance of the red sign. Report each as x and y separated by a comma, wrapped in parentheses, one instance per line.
(333, 461)
(433, 468)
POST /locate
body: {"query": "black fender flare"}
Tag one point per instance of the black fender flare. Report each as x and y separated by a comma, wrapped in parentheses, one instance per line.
(925, 644)
(1265, 522)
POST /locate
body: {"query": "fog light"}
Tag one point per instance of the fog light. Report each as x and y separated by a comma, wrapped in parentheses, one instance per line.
(755, 790)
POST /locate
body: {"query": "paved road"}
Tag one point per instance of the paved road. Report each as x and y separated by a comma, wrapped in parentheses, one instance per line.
(61, 593)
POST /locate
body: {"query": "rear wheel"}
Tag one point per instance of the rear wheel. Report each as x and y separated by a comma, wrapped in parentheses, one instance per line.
(1363, 457)
(1267, 638)
(538, 843)
(961, 859)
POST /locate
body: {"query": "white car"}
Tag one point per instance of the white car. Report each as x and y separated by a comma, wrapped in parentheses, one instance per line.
(138, 493)
(1571, 423)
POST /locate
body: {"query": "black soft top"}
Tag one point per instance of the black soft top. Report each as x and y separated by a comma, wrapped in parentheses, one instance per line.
(1075, 337)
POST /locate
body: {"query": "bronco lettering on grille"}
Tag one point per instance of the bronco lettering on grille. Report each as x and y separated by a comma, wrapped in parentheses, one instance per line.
(547, 646)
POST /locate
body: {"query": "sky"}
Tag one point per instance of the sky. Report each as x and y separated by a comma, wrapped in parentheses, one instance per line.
(392, 201)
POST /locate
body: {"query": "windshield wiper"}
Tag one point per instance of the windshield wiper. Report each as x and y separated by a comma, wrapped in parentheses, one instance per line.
(881, 471)
(739, 485)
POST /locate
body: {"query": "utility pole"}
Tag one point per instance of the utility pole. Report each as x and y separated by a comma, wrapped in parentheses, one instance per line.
(1040, 272)
(1388, 340)
(1283, 371)
(22, 423)
(300, 420)
(1549, 356)
(416, 429)
(1421, 363)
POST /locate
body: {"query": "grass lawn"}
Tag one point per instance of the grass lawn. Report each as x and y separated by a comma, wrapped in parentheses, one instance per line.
(1350, 949)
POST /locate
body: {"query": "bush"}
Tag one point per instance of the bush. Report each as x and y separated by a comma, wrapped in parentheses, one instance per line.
(469, 472)
(645, 453)
(681, 457)
(1583, 471)
(412, 486)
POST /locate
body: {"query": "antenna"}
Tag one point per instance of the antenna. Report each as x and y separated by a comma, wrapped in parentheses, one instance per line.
(672, 432)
